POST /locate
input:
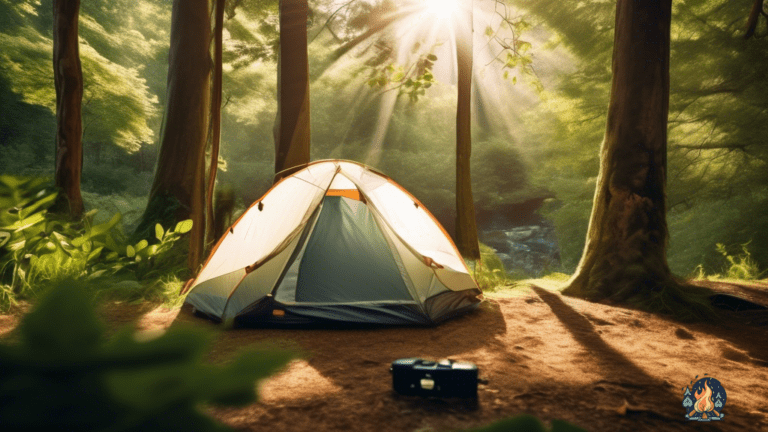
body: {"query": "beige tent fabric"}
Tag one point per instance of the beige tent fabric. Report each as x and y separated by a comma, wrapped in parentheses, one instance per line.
(246, 263)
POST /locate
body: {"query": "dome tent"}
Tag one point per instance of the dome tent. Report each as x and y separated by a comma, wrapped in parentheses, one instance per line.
(334, 242)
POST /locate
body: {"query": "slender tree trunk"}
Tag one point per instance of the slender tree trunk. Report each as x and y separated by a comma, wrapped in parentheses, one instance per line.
(291, 131)
(68, 79)
(466, 227)
(754, 15)
(625, 252)
(215, 116)
(178, 188)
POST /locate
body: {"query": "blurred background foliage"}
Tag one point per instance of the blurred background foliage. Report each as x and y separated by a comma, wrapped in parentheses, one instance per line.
(538, 122)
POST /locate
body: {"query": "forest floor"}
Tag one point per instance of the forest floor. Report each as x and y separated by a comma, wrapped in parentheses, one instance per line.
(601, 367)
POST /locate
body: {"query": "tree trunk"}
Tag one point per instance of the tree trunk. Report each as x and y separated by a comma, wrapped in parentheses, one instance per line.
(754, 15)
(291, 129)
(178, 189)
(68, 80)
(215, 116)
(625, 252)
(466, 227)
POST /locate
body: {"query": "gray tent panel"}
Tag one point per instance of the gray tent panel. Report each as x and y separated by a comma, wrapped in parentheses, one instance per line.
(449, 304)
(347, 258)
(210, 297)
(389, 313)
(259, 282)
(286, 286)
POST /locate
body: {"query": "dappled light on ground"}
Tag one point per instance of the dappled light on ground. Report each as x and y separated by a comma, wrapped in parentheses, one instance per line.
(299, 381)
(157, 317)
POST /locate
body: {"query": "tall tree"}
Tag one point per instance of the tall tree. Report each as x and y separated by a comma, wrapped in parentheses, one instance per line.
(625, 253)
(68, 80)
(466, 227)
(291, 131)
(178, 189)
(215, 115)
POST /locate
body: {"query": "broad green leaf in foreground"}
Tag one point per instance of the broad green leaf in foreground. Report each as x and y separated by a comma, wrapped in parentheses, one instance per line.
(63, 375)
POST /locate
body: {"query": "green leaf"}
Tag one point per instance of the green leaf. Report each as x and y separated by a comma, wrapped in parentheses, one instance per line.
(140, 245)
(95, 253)
(130, 252)
(44, 202)
(431, 57)
(159, 231)
(105, 227)
(184, 226)
(5, 236)
(62, 241)
(149, 251)
(26, 222)
(98, 230)
(111, 243)
(62, 324)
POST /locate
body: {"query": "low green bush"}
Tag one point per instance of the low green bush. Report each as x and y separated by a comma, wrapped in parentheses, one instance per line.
(64, 374)
(489, 271)
(736, 266)
(39, 249)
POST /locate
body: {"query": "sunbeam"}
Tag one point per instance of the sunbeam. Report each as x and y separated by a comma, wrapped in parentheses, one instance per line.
(441, 9)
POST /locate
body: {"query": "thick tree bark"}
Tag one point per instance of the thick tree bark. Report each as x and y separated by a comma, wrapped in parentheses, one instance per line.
(291, 131)
(178, 188)
(215, 116)
(625, 251)
(466, 227)
(68, 79)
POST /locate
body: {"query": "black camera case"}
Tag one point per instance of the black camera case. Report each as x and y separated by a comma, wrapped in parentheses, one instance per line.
(444, 378)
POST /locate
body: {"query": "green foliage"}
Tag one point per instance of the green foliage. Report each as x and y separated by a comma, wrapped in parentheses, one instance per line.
(527, 423)
(38, 249)
(740, 266)
(489, 271)
(64, 374)
(116, 102)
(737, 265)
(413, 81)
(515, 53)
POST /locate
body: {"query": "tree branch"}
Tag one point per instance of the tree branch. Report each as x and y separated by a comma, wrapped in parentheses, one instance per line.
(754, 14)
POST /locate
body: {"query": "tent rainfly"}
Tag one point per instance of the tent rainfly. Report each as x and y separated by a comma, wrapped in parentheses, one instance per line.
(334, 242)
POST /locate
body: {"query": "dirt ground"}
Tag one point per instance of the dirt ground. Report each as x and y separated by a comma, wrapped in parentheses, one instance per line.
(601, 367)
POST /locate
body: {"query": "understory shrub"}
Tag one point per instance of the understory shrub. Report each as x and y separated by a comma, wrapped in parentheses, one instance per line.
(40, 249)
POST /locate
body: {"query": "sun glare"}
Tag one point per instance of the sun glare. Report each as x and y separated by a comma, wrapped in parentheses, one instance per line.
(441, 9)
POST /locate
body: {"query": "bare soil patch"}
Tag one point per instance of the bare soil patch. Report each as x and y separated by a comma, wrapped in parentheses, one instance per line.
(601, 367)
